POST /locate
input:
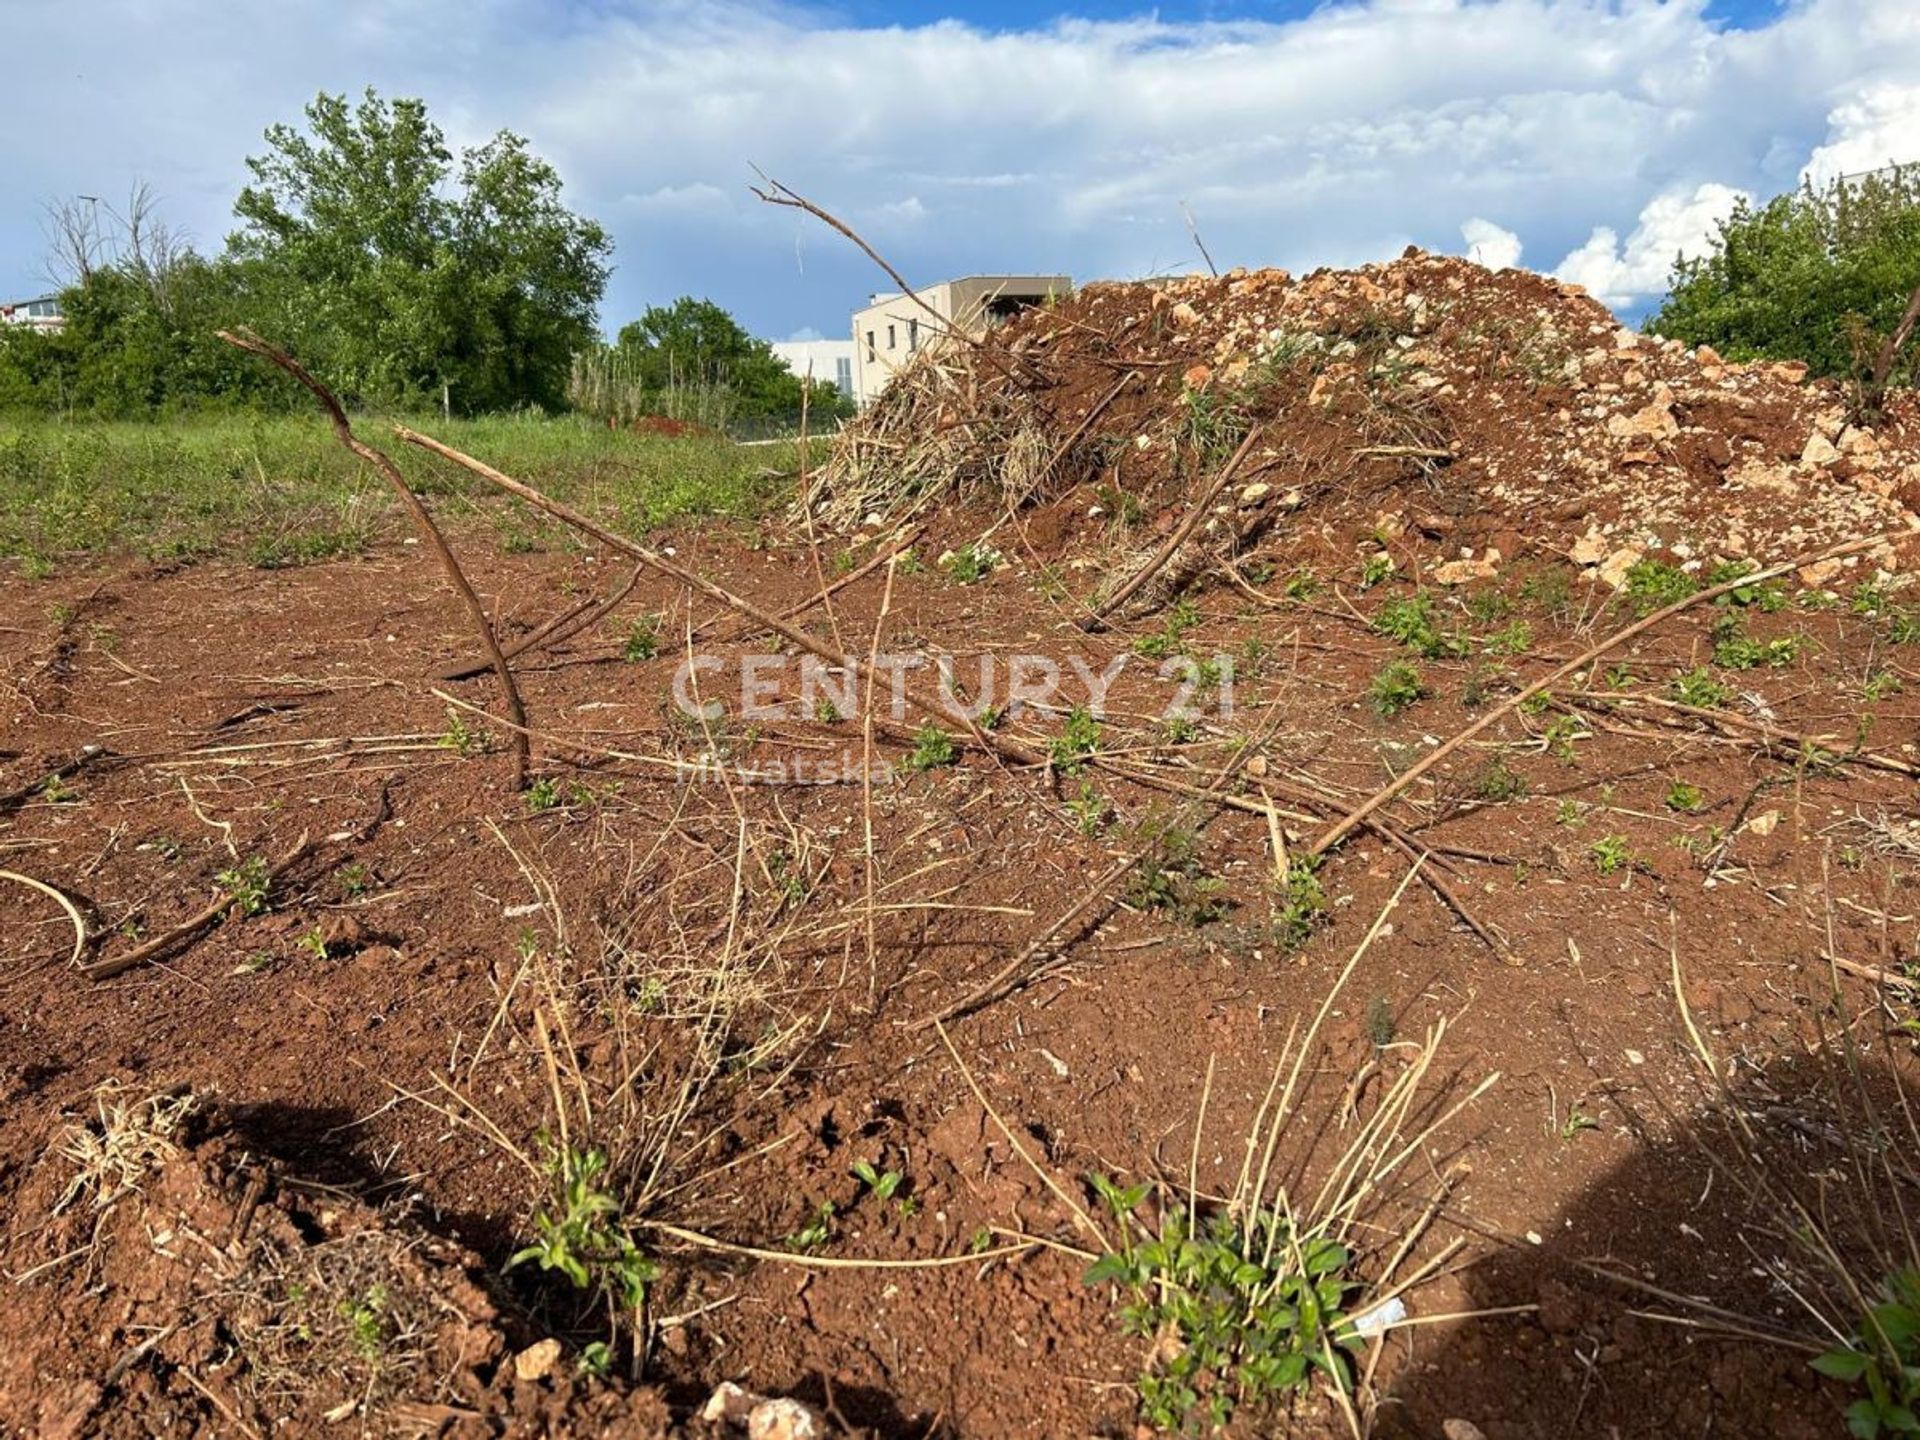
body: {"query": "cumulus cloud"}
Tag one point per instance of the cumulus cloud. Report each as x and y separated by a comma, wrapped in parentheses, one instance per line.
(1673, 225)
(1332, 138)
(1880, 128)
(1489, 245)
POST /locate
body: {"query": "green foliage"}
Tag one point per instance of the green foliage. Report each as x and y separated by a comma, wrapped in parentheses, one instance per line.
(643, 639)
(1653, 585)
(1883, 1358)
(1499, 781)
(1171, 878)
(1812, 275)
(1397, 686)
(1257, 1307)
(367, 1323)
(1375, 569)
(1770, 597)
(393, 270)
(816, 1232)
(583, 1237)
(1698, 688)
(460, 737)
(932, 748)
(1411, 622)
(280, 490)
(1611, 854)
(971, 563)
(1734, 649)
(248, 883)
(1079, 739)
(1169, 639)
(542, 795)
(1515, 639)
(1685, 798)
(693, 361)
(883, 1184)
(1301, 905)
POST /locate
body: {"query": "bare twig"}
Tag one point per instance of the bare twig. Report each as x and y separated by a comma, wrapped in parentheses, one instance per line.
(423, 521)
(107, 967)
(1175, 540)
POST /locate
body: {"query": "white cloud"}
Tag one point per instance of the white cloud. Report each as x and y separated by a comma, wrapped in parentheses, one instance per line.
(1674, 224)
(1336, 137)
(1489, 245)
(1882, 127)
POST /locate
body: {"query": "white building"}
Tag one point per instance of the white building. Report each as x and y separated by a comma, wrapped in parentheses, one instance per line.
(39, 313)
(828, 362)
(894, 328)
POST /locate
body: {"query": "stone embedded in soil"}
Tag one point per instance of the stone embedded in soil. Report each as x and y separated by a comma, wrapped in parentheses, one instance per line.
(536, 1362)
(785, 1419)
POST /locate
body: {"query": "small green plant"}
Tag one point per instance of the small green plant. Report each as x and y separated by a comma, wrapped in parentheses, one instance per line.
(1551, 589)
(595, 1359)
(1880, 685)
(1560, 733)
(1903, 627)
(1734, 649)
(314, 942)
(825, 711)
(1169, 639)
(1171, 878)
(461, 738)
(1411, 622)
(1300, 905)
(584, 1236)
(1577, 1121)
(1685, 798)
(542, 795)
(970, 564)
(355, 879)
(884, 1184)
(1089, 809)
(1769, 597)
(366, 1317)
(1181, 729)
(1079, 738)
(643, 639)
(1500, 782)
(247, 883)
(1395, 688)
(1611, 854)
(1883, 1357)
(1302, 585)
(1376, 569)
(1570, 812)
(816, 1232)
(1515, 639)
(1255, 1308)
(932, 748)
(1653, 585)
(1698, 688)
(55, 791)
(1870, 596)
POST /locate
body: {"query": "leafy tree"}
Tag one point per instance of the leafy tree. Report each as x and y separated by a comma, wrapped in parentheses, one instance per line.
(1820, 275)
(694, 344)
(394, 272)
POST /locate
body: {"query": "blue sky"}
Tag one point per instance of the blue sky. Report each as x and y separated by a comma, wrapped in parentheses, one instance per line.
(1592, 138)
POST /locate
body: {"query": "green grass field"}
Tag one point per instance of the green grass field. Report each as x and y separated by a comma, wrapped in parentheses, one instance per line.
(280, 490)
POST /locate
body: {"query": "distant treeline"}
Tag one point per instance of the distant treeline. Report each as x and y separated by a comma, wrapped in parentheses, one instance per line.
(405, 276)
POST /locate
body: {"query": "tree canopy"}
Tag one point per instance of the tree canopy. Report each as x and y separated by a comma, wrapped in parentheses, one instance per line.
(365, 247)
(395, 273)
(1819, 275)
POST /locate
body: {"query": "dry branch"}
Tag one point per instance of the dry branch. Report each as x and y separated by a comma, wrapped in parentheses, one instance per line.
(423, 521)
(564, 626)
(1175, 540)
(109, 966)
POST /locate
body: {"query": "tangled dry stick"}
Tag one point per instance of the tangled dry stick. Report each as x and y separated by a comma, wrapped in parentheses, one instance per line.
(422, 519)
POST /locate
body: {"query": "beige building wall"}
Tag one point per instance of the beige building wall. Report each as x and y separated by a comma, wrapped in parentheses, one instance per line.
(893, 329)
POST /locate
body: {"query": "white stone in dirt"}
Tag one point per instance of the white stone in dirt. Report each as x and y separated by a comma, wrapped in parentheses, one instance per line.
(1589, 549)
(1461, 1430)
(785, 1420)
(1461, 572)
(536, 1362)
(1820, 451)
(729, 1402)
(1614, 571)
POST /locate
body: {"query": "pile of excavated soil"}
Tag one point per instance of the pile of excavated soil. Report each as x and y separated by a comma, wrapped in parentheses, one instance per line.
(1478, 414)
